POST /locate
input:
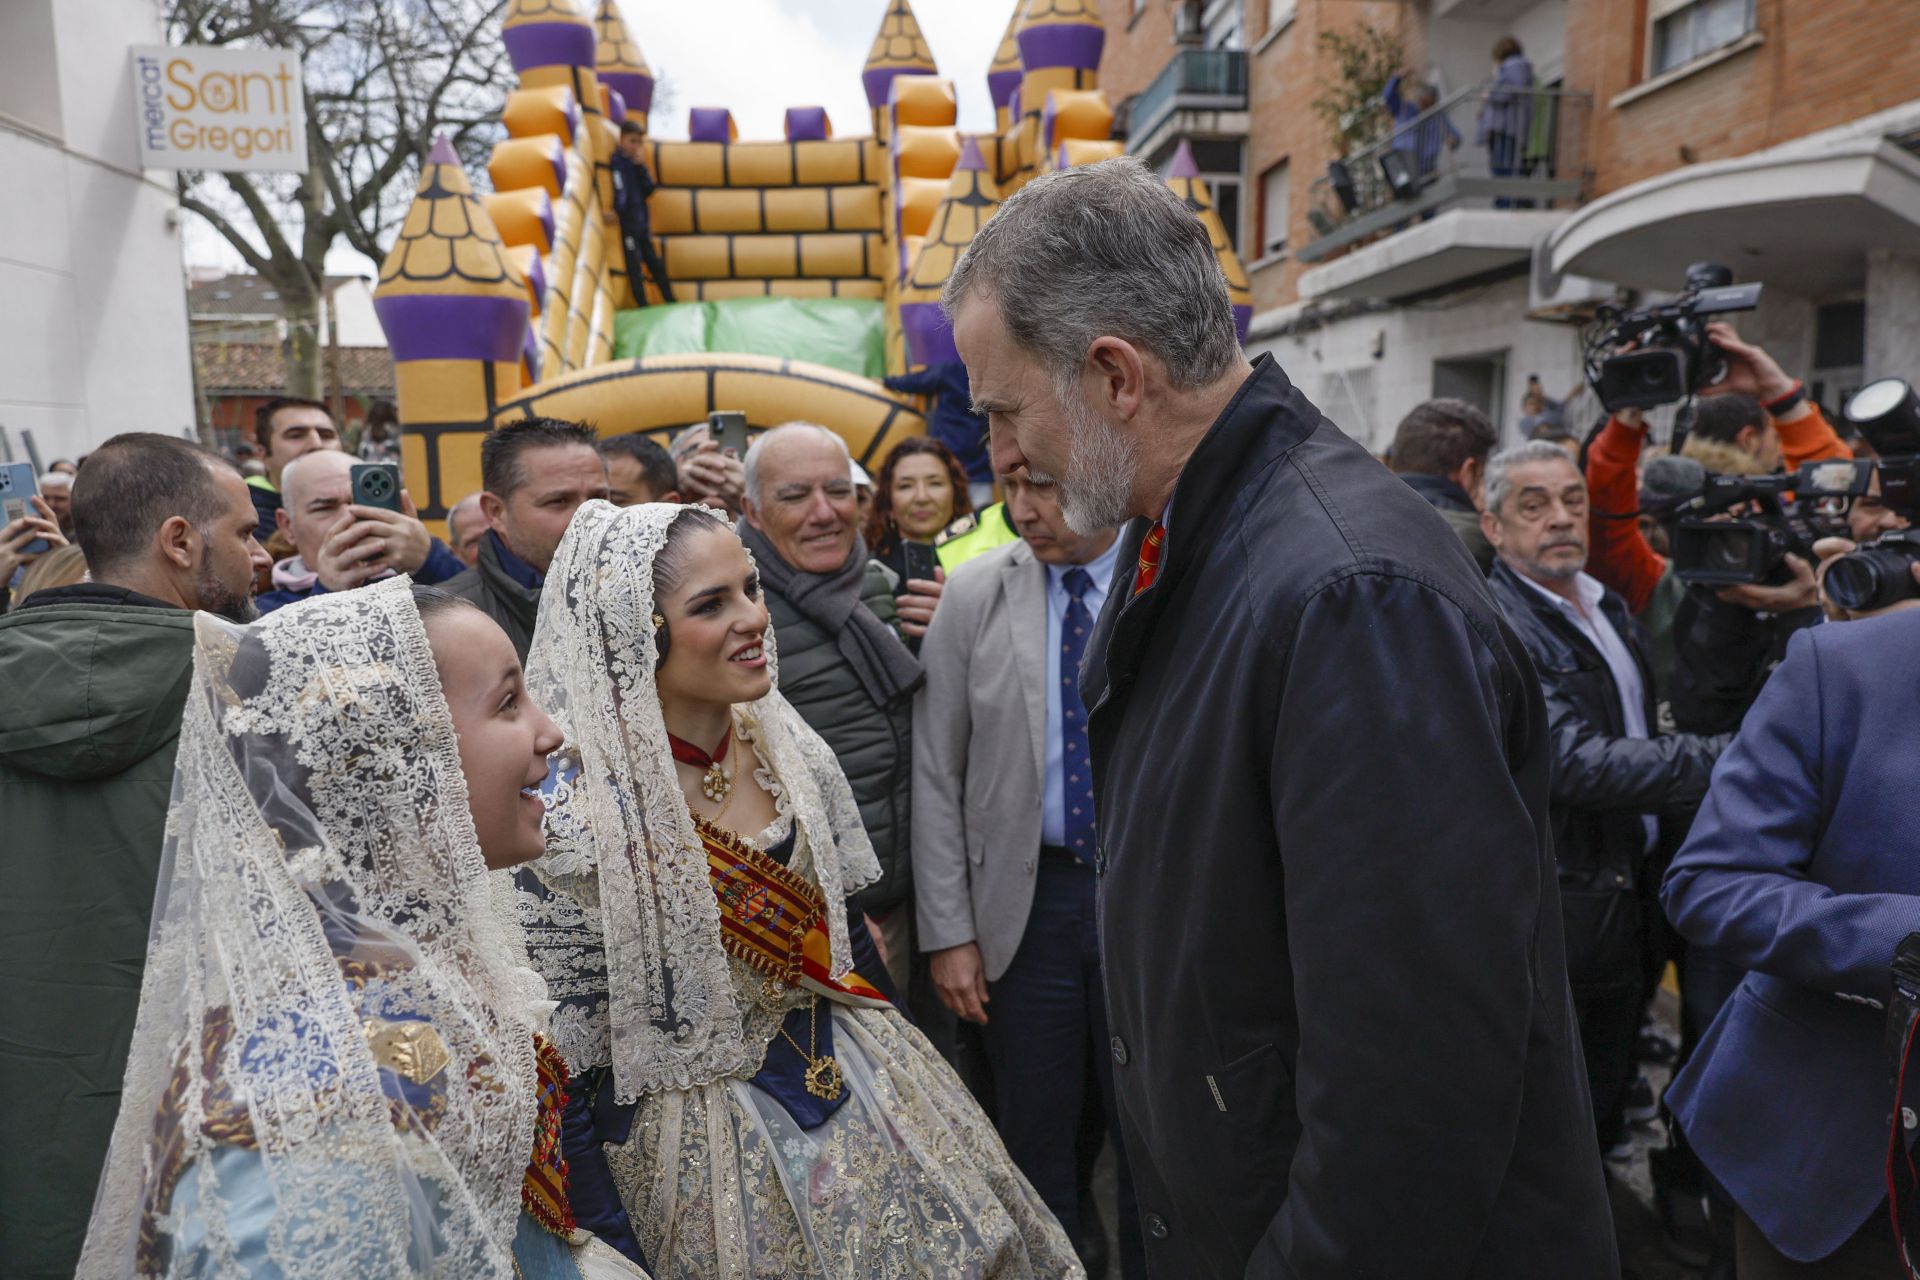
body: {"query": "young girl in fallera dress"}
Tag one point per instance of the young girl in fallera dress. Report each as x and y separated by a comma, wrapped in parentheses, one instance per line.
(337, 1071)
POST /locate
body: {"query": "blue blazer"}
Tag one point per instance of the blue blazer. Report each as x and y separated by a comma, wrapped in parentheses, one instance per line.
(1804, 868)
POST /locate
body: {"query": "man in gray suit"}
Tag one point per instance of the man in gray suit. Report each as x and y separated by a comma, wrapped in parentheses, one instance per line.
(1003, 838)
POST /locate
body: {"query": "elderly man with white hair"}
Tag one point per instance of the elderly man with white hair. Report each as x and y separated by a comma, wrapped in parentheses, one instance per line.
(840, 618)
(339, 546)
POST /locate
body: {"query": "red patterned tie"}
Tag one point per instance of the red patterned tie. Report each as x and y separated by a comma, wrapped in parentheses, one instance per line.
(1150, 558)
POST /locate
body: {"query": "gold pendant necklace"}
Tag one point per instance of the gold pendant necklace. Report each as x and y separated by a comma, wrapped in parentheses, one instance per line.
(715, 785)
(823, 1078)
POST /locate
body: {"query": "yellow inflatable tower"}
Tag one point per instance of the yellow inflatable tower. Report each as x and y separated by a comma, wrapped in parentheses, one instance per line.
(1183, 175)
(518, 303)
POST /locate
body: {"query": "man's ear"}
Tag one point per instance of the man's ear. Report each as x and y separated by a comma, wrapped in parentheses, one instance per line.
(1490, 526)
(178, 542)
(281, 522)
(493, 509)
(1120, 377)
(1468, 477)
(671, 495)
(750, 512)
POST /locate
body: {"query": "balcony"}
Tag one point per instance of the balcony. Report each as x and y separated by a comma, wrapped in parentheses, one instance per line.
(1427, 204)
(1194, 81)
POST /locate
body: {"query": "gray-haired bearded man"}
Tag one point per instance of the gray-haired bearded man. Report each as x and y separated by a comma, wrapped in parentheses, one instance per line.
(1341, 1031)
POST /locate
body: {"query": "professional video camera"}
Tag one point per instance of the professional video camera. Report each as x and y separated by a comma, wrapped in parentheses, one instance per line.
(1752, 549)
(1671, 357)
(1888, 415)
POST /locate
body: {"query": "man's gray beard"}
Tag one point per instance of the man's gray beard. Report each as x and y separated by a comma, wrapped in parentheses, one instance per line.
(1101, 467)
(1539, 571)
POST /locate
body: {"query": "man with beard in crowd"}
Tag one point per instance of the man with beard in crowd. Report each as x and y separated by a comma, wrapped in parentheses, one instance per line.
(96, 676)
(1342, 1039)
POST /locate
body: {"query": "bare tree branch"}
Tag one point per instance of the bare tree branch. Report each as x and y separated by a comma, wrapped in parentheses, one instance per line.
(232, 234)
(381, 78)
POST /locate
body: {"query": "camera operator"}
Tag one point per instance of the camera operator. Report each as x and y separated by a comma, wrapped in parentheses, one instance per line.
(1867, 519)
(1615, 775)
(1723, 643)
(1802, 869)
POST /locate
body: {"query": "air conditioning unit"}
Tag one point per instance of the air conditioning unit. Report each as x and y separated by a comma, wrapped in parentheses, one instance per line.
(1562, 299)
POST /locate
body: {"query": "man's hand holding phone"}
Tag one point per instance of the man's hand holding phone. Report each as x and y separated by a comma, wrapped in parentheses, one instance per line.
(708, 472)
(28, 531)
(917, 601)
(371, 542)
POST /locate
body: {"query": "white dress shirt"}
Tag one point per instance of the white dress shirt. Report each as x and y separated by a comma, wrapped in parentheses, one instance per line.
(1053, 817)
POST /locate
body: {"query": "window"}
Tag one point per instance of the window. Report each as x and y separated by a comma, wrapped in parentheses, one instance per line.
(1280, 13)
(1275, 210)
(1839, 352)
(1479, 380)
(1687, 29)
(1226, 203)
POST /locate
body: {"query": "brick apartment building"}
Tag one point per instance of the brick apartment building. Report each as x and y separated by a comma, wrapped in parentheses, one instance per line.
(1779, 137)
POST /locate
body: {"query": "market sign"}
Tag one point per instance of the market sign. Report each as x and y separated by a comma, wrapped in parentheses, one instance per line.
(219, 109)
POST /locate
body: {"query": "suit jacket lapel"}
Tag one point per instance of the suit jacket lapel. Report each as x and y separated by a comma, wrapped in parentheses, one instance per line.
(1024, 580)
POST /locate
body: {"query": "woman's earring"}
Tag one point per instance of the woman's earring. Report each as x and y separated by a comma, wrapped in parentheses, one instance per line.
(659, 623)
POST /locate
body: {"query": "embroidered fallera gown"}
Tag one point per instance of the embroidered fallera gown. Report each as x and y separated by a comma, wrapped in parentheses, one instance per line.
(766, 1109)
(336, 1070)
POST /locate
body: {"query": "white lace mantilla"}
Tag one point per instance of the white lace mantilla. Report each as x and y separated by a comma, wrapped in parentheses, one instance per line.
(335, 984)
(621, 844)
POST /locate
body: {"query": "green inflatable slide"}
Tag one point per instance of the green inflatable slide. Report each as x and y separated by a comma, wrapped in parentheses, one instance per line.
(841, 333)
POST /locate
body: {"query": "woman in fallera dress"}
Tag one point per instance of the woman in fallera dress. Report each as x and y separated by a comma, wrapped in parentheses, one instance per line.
(766, 1110)
(337, 1072)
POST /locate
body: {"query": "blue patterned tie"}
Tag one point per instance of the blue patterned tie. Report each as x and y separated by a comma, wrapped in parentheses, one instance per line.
(1076, 765)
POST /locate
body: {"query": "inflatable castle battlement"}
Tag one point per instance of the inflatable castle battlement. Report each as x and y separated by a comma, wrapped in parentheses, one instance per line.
(518, 303)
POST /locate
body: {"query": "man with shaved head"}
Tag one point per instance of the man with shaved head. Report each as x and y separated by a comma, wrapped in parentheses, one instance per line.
(339, 546)
(465, 525)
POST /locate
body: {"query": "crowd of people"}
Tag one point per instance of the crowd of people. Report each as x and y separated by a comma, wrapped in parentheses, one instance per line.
(703, 865)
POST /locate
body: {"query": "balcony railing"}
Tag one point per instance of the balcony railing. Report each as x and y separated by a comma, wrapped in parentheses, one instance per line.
(1481, 147)
(1193, 79)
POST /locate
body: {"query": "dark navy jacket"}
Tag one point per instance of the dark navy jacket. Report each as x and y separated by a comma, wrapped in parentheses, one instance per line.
(1343, 1040)
(1803, 867)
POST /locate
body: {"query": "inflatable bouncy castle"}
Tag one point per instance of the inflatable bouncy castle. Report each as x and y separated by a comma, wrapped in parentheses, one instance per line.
(804, 268)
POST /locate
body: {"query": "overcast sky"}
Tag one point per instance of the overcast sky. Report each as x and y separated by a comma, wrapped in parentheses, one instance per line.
(757, 58)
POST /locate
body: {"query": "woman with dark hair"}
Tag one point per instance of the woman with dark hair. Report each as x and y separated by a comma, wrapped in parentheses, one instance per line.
(767, 1113)
(920, 491)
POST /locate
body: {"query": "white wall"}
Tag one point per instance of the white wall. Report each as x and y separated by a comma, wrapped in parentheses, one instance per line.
(1461, 49)
(1893, 316)
(359, 327)
(93, 336)
(1330, 362)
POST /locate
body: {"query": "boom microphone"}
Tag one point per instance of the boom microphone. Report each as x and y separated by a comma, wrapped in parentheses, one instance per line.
(1669, 480)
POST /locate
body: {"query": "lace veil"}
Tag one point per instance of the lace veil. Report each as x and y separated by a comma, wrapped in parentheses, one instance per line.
(332, 1065)
(622, 855)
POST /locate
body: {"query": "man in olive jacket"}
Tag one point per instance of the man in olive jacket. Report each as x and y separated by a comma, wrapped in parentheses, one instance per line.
(96, 676)
(843, 664)
(1342, 1037)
